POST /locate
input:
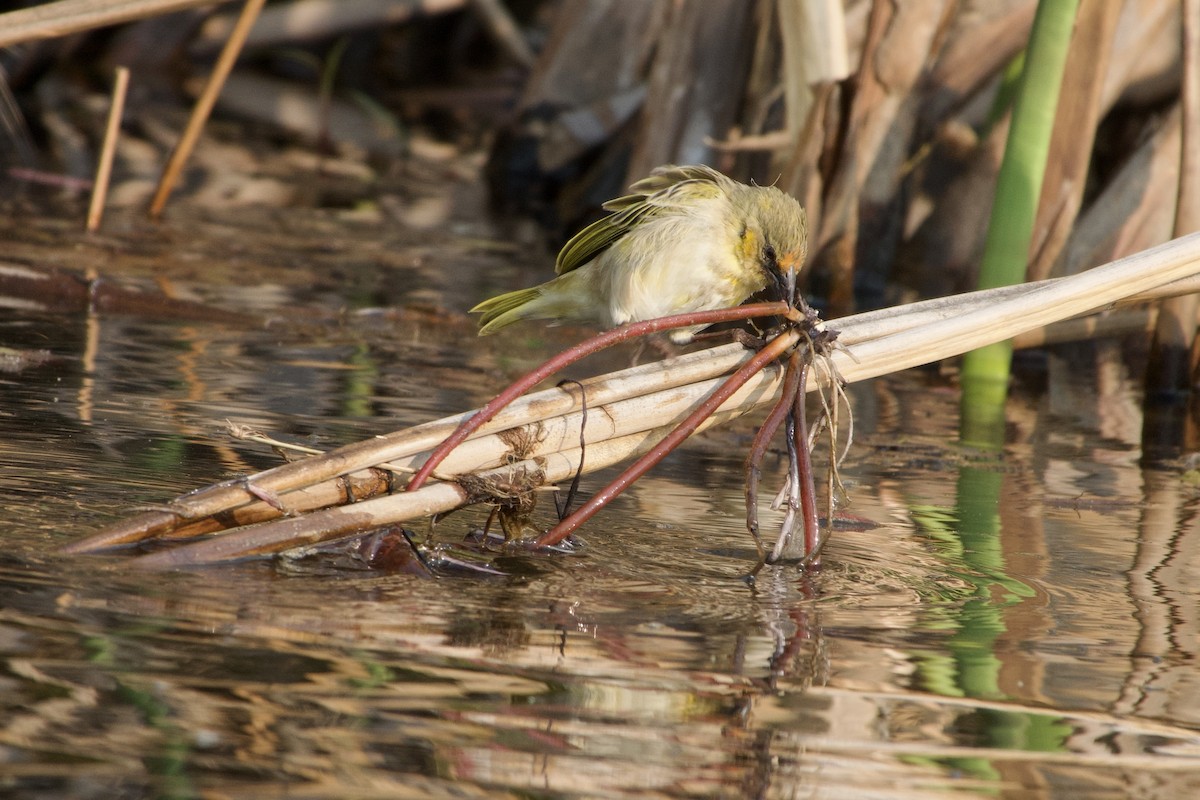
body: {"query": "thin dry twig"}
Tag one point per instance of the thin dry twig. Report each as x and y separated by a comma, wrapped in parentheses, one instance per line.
(111, 131)
(758, 448)
(48, 20)
(204, 105)
(505, 30)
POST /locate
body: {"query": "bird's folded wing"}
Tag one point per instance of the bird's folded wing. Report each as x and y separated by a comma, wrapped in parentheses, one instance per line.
(677, 196)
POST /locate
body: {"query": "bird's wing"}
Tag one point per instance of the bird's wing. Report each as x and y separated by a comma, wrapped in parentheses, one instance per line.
(668, 190)
(663, 178)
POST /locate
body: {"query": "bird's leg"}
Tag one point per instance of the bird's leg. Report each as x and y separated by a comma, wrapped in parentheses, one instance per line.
(656, 346)
(752, 341)
(749, 340)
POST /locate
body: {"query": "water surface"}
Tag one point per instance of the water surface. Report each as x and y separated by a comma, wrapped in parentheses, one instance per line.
(1017, 624)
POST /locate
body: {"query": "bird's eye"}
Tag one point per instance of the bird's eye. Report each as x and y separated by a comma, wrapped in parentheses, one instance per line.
(768, 254)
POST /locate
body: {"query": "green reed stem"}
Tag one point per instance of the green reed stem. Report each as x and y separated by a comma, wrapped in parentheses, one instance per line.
(985, 371)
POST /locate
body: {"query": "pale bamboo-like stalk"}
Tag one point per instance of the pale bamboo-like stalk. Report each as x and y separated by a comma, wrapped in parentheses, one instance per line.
(341, 521)
(404, 447)
(1122, 322)
(1042, 305)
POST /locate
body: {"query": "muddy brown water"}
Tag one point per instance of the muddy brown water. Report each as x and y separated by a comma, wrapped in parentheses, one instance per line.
(1021, 624)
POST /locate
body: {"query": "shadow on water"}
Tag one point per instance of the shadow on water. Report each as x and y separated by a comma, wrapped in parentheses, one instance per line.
(1020, 623)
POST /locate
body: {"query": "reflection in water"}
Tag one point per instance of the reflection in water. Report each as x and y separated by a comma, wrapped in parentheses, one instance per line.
(1162, 676)
(983, 625)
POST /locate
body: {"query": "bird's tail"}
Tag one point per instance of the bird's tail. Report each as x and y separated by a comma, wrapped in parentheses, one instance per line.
(505, 309)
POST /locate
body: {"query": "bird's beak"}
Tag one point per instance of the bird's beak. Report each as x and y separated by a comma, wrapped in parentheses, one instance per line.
(790, 265)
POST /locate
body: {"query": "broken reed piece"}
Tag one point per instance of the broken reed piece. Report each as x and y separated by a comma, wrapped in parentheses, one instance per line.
(324, 525)
(530, 474)
(411, 448)
(878, 343)
(346, 521)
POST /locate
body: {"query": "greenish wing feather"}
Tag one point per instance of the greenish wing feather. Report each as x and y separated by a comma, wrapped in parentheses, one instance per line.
(621, 203)
(671, 175)
(666, 190)
(500, 305)
(599, 236)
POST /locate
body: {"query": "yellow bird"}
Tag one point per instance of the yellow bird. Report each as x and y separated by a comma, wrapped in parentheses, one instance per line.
(686, 239)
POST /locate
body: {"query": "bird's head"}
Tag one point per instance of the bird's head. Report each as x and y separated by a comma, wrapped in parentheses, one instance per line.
(777, 231)
(785, 240)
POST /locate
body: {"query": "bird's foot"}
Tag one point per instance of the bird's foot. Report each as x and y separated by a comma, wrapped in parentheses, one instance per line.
(749, 340)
